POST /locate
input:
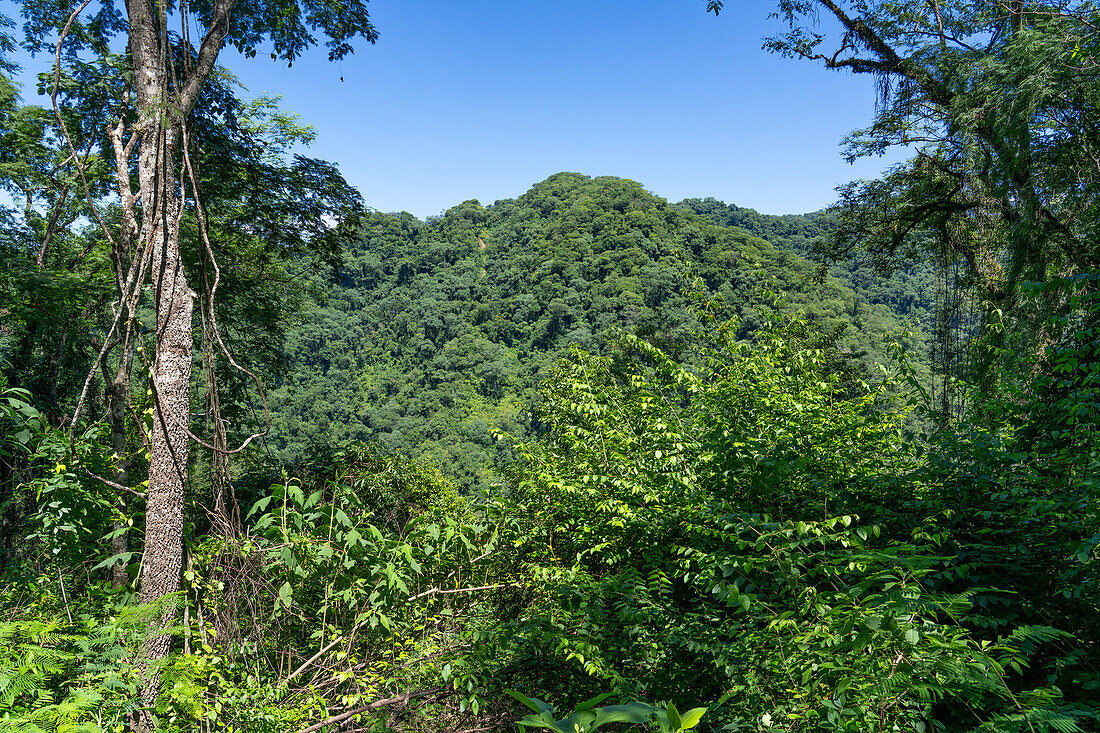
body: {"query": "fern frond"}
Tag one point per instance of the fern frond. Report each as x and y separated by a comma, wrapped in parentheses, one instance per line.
(1034, 635)
(15, 685)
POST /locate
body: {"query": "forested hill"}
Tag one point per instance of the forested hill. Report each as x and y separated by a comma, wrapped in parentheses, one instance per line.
(909, 288)
(438, 333)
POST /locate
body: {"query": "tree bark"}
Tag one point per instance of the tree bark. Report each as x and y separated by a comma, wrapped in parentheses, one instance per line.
(158, 129)
(171, 380)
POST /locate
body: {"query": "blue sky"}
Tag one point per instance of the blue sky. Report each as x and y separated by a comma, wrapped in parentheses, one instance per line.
(482, 98)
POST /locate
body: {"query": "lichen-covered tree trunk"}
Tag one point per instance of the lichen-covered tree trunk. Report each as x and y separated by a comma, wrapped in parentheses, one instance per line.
(163, 556)
(159, 131)
(171, 381)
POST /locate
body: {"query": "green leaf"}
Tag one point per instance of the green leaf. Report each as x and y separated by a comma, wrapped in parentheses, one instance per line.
(533, 703)
(691, 718)
(294, 493)
(634, 712)
(581, 720)
(259, 506)
(543, 721)
(673, 717)
(589, 704)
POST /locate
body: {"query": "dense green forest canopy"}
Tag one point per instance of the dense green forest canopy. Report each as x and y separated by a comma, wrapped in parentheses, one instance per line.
(436, 335)
(907, 288)
(584, 459)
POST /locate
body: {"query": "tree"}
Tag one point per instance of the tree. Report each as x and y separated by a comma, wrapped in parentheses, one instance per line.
(163, 77)
(1000, 103)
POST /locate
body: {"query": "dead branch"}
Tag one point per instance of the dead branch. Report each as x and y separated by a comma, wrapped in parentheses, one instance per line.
(397, 700)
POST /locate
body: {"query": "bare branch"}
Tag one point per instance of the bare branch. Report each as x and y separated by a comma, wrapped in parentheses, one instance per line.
(208, 54)
(61, 120)
(112, 484)
(434, 591)
(396, 700)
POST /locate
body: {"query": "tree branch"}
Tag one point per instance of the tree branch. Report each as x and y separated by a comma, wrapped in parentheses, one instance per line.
(209, 49)
(892, 62)
(397, 700)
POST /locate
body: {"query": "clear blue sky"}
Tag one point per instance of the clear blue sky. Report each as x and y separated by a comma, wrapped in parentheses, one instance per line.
(482, 98)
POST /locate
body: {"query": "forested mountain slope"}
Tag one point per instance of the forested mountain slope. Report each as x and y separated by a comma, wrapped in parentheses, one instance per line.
(437, 334)
(909, 289)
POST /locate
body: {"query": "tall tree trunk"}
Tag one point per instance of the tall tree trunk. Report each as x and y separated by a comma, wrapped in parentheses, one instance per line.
(159, 130)
(174, 301)
(171, 390)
